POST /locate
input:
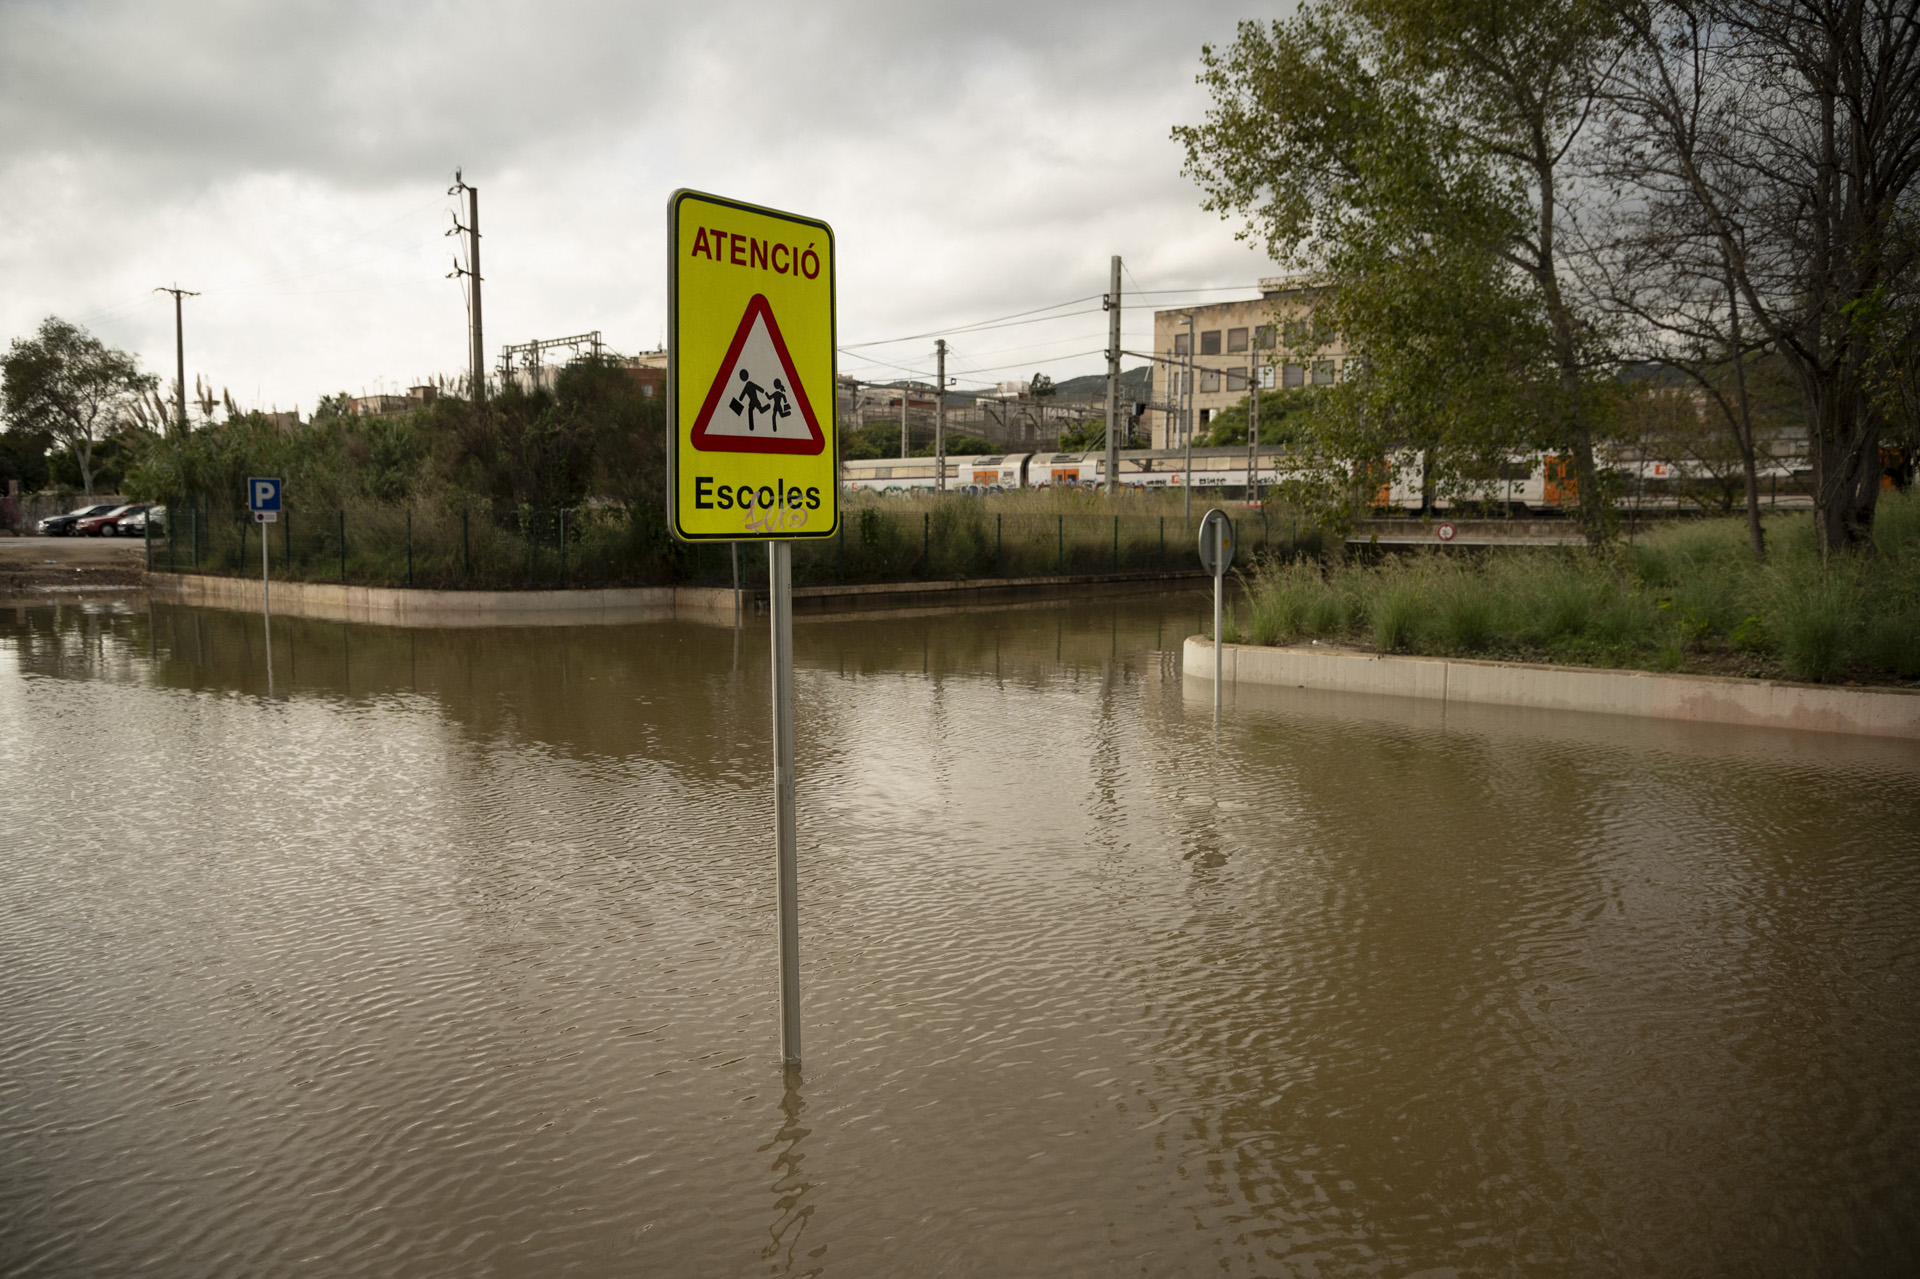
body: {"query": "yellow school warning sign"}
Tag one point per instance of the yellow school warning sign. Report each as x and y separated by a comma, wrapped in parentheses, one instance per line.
(750, 372)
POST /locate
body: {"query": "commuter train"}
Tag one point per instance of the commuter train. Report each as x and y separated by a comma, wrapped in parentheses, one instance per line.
(1139, 468)
(1527, 482)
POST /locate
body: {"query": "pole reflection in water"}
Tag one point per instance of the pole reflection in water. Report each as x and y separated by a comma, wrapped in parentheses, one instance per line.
(481, 980)
(792, 1209)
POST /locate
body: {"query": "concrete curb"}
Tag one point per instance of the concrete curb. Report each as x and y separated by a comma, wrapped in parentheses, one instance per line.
(392, 606)
(1699, 699)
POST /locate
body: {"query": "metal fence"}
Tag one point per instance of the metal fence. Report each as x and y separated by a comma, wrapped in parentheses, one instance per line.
(559, 548)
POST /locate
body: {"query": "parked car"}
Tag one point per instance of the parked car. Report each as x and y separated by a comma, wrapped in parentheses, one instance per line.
(95, 525)
(134, 523)
(62, 525)
(118, 525)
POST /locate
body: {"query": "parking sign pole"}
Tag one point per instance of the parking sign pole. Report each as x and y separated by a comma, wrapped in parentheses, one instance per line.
(780, 606)
(266, 607)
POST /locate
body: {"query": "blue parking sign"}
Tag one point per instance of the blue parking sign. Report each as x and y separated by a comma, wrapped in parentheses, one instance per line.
(263, 495)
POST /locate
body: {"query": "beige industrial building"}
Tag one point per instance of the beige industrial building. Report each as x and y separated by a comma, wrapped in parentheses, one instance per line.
(1227, 347)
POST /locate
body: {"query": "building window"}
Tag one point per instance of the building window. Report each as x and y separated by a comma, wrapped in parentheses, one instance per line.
(1210, 342)
(1209, 381)
(1266, 376)
(1296, 333)
(1236, 341)
(1263, 337)
(1182, 343)
(1323, 372)
(1206, 415)
(1295, 375)
(1236, 379)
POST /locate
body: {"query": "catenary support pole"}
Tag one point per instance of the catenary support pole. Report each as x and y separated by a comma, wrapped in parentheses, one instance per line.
(1113, 380)
(1186, 478)
(786, 857)
(903, 419)
(940, 417)
(1253, 416)
(476, 340)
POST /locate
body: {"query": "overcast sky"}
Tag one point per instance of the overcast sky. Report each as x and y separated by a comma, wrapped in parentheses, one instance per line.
(291, 162)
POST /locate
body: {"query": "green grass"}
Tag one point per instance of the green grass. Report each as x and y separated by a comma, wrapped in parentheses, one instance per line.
(1686, 597)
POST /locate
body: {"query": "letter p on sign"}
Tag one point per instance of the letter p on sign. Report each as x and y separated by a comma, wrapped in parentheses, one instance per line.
(263, 495)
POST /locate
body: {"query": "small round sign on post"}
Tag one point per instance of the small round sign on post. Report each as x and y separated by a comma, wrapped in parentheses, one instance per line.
(1216, 542)
(1445, 532)
(1216, 556)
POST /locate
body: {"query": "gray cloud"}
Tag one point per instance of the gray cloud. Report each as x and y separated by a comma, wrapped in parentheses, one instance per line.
(290, 159)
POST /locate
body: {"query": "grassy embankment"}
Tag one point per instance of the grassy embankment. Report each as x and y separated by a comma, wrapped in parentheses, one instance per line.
(885, 538)
(1685, 598)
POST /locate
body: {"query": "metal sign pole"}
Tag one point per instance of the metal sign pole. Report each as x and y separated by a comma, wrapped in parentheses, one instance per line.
(1219, 580)
(780, 606)
(266, 607)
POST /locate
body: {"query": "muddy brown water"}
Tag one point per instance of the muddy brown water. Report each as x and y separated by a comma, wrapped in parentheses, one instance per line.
(456, 958)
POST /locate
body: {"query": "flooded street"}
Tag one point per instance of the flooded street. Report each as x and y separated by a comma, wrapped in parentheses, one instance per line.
(457, 958)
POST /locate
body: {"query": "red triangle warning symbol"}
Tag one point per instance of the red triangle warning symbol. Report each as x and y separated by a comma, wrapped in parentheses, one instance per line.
(757, 404)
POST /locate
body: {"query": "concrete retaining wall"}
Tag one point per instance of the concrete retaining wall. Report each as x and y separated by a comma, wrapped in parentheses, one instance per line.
(387, 606)
(1702, 699)
(392, 606)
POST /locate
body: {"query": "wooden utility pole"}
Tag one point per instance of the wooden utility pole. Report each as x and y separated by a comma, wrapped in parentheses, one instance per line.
(1112, 304)
(179, 355)
(477, 355)
(940, 417)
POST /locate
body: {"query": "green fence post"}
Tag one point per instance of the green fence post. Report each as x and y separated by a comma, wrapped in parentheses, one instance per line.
(409, 548)
(286, 541)
(563, 546)
(466, 547)
(926, 543)
(343, 546)
(1163, 540)
(999, 570)
(1060, 547)
(1116, 543)
(840, 569)
(196, 536)
(146, 528)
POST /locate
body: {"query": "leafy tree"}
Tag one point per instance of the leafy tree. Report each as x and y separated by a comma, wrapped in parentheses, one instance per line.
(1283, 412)
(959, 445)
(1082, 437)
(1775, 148)
(23, 457)
(1413, 154)
(67, 385)
(874, 440)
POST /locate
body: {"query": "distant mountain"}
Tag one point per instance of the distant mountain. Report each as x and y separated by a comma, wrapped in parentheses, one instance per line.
(1134, 384)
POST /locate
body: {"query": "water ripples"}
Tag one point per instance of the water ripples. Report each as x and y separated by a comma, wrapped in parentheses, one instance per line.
(458, 960)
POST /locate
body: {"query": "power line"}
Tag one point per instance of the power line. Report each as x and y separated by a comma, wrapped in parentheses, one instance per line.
(996, 322)
(886, 364)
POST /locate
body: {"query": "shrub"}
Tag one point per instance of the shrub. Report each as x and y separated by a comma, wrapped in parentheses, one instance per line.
(1812, 617)
(1465, 613)
(1395, 613)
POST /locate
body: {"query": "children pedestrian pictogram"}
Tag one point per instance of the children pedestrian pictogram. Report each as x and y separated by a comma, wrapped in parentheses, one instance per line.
(758, 416)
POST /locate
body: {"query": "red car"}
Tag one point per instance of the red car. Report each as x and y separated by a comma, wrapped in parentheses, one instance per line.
(95, 525)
